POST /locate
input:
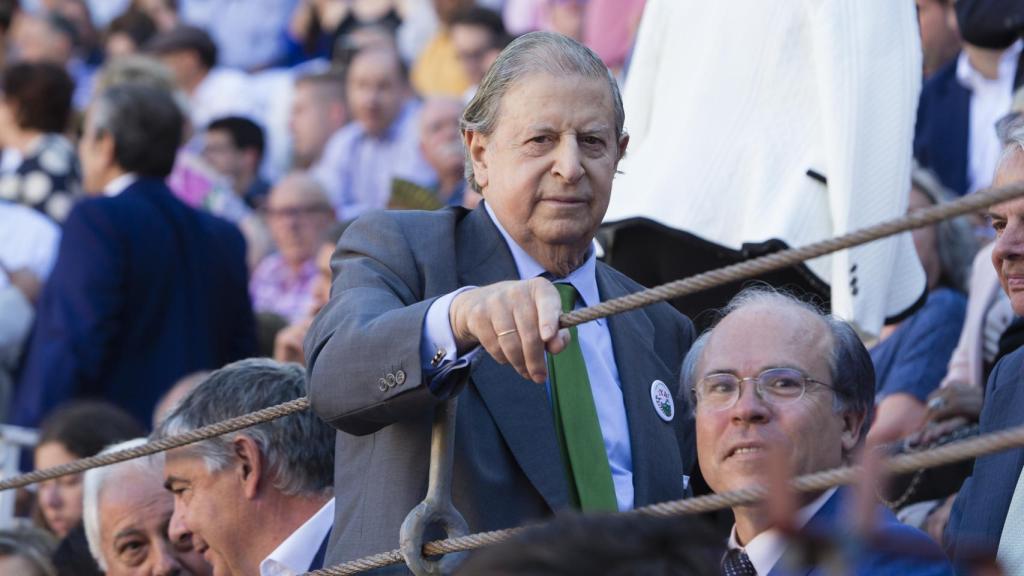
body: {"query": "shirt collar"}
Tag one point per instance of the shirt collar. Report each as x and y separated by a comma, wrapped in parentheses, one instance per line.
(969, 77)
(584, 278)
(296, 552)
(120, 184)
(765, 549)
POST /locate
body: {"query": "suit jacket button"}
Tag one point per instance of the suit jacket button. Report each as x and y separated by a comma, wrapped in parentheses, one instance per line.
(382, 385)
(390, 380)
(400, 377)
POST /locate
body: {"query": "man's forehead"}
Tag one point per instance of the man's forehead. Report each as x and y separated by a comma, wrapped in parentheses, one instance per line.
(541, 100)
(761, 336)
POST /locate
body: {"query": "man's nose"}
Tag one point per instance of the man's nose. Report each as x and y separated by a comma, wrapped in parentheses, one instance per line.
(1010, 244)
(568, 162)
(178, 530)
(750, 407)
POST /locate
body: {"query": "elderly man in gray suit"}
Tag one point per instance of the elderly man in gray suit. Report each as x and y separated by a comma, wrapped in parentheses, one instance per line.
(426, 305)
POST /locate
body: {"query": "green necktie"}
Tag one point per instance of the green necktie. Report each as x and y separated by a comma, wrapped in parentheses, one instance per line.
(579, 432)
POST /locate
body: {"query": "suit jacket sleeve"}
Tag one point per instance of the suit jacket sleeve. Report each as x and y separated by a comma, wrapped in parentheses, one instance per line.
(77, 320)
(363, 349)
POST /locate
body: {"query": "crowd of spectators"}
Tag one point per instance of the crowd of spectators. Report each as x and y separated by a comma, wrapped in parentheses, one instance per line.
(176, 175)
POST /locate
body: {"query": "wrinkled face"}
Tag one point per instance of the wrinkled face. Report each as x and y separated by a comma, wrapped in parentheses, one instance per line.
(207, 505)
(376, 90)
(734, 445)
(440, 140)
(307, 125)
(134, 518)
(1008, 221)
(222, 154)
(474, 47)
(298, 219)
(925, 240)
(547, 168)
(60, 500)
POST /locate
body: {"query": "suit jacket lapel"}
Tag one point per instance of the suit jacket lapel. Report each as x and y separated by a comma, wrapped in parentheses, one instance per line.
(520, 408)
(657, 464)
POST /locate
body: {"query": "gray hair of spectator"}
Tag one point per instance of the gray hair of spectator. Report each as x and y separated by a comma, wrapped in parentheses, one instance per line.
(529, 54)
(850, 366)
(97, 479)
(299, 449)
(146, 124)
(142, 69)
(955, 241)
(36, 546)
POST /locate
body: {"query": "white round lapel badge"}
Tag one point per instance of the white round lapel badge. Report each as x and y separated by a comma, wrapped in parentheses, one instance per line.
(661, 397)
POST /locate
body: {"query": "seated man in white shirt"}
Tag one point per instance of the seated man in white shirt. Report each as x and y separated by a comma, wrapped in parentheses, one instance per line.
(258, 501)
(775, 378)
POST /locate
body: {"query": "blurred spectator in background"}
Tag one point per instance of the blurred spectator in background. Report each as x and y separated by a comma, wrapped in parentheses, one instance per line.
(955, 135)
(437, 71)
(173, 396)
(128, 33)
(318, 111)
(164, 13)
(249, 34)
(609, 27)
(441, 145)
(127, 513)
(26, 551)
(213, 92)
(299, 214)
(75, 430)
(28, 248)
(911, 358)
(288, 341)
(234, 146)
(34, 112)
(9, 10)
(318, 28)
(52, 37)
(940, 35)
(132, 298)
(478, 36)
(382, 142)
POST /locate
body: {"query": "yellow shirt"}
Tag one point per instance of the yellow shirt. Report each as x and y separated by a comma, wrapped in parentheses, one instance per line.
(437, 71)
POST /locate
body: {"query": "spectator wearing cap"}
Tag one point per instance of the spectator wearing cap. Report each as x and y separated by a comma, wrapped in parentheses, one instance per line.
(34, 113)
(318, 111)
(381, 144)
(213, 92)
(437, 71)
(131, 306)
(234, 146)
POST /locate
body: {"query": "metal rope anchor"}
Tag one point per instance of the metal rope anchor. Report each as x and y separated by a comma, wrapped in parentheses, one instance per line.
(437, 506)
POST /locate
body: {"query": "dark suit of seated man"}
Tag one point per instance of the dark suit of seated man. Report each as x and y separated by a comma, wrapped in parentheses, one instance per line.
(775, 378)
(430, 304)
(145, 290)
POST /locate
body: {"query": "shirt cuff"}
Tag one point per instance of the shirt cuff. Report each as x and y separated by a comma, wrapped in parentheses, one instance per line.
(438, 351)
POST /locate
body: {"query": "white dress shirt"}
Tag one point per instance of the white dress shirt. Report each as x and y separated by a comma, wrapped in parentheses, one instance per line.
(765, 549)
(119, 184)
(990, 101)
(293, 556)
(595, 343)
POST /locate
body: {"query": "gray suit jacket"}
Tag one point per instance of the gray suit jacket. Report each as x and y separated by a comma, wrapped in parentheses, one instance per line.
(389, 268)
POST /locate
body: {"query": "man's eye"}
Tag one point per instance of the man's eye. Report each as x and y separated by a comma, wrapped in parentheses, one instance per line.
(784, 385)
(540, 139)
(132, 551)
(998, 225)
(592, 141)
(721, 388)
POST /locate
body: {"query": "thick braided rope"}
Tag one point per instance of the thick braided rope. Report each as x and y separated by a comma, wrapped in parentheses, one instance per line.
(177, 441)
(786, 258)
(953, 452)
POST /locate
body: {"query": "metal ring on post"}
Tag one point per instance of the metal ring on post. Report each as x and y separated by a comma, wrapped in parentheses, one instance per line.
(437, 507)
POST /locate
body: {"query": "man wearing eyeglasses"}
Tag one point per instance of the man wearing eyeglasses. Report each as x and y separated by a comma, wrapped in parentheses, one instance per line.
(775, 378)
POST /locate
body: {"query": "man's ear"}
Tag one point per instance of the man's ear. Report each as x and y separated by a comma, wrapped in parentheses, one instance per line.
(623, 144)
(105, 143)
(853, 422)
(249, 465)
(476, 144)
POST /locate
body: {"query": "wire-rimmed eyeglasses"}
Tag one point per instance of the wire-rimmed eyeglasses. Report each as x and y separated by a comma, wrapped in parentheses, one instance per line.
(776, 386)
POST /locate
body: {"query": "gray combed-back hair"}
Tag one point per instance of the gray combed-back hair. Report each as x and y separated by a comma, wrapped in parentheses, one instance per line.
(850, 366)
(299, 448)
(532, 53)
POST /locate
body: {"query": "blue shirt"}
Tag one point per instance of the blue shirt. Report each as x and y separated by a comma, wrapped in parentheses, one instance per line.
(595, 342)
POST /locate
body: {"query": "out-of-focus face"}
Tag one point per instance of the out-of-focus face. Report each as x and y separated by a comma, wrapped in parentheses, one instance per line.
(925, 240)
(940, 37)
(1008, 221)
(566, 17)
(547, 168)
(474, 47)
(222, 154)
(60, 499)
(322, 282)
(186, 68)
(309, 124)
(734, 444)
(134, 516)
(162, 13)
(36, 41)
(376, 89)
(298, 217)
(207, 505)
(119, 45)
(440, 139)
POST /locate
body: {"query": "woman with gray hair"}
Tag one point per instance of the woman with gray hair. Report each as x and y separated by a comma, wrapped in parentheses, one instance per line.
(911, 356)
(127, 513)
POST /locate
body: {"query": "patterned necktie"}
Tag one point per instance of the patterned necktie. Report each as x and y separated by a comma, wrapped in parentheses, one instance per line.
(579, 432)
(1011, 542)
(737, 563)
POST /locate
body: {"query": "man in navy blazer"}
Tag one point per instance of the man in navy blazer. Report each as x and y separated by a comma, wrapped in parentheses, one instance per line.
(982, 515)
(145, 289)
(777, 380)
